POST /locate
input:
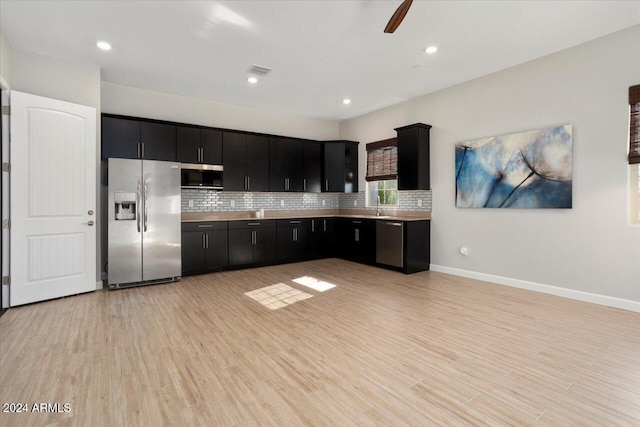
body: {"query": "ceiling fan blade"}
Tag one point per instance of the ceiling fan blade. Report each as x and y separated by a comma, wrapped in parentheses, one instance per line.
(398, 16)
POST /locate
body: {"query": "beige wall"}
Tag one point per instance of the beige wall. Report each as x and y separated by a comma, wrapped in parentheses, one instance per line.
(131, 101)
(5, 60)
(590, 248)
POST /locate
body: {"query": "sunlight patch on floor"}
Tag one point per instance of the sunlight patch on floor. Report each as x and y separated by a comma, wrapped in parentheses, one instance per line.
(277, 296)
(313, 283)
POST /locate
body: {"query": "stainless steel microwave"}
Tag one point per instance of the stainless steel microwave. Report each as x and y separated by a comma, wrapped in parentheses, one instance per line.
(202, 177)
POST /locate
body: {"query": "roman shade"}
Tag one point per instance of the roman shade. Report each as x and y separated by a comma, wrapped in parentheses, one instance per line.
(634, 124)
(382, 160)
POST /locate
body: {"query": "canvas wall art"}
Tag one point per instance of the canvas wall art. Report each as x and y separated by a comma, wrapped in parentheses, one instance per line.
(523, 170)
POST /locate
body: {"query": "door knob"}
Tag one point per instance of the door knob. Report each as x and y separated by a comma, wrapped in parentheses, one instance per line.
(89, 223)
(90, 212)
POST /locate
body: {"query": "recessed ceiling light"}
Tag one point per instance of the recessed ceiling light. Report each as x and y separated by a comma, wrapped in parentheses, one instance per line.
(104, 45)
(431, 49)
(346, 101)
(253, 80)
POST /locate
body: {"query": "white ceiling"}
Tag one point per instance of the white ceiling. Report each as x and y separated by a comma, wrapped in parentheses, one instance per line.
(320, 51)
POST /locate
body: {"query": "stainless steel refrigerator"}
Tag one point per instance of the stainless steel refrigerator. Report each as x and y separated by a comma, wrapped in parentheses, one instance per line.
(144, 222)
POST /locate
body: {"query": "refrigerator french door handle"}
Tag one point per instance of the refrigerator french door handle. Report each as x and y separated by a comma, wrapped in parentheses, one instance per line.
(138, 205)
(144, 199)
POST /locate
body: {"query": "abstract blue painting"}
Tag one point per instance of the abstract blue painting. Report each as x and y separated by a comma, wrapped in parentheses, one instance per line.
(523, 170)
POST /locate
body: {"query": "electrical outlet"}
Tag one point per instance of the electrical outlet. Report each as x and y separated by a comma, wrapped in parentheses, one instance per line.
(233, 203)
(190, 203)
(419, 203)
(322, 202)
(281, 203)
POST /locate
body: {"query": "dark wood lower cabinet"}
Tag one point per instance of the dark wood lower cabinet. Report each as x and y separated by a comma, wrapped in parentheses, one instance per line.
(214, 246)
(252, 242)
(356, 239)
(322, 237)
(204, 247)
(294, 239)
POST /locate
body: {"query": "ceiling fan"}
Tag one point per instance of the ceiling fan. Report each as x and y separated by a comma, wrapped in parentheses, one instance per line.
(398, 16)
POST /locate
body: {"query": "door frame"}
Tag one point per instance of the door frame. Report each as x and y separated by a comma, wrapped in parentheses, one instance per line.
(4, 191)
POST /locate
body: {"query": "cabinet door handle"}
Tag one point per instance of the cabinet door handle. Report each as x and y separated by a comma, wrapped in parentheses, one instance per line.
(248, 183)
(255, 237)
(313, 225)
(325, 225)
(253, 223)
(293, 234)
(202, 155)
(139, 150)
(304, 184)
(357, 222)
(294, 222)
(245, 183)
(142, 150)
(326, 185)
(207, 239)
(205, 226)
(203, 243)
(357, 234)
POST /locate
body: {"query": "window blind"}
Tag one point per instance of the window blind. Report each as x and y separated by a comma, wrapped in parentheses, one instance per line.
(634, 124)
(382, 160)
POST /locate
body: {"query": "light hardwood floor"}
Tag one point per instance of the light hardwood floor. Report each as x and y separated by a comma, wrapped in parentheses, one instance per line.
(381, 348)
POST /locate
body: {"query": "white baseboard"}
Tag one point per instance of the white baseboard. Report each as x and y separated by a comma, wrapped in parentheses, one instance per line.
(624, 304)
(99, 285)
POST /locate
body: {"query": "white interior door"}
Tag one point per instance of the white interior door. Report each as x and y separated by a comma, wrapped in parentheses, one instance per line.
(53, 198)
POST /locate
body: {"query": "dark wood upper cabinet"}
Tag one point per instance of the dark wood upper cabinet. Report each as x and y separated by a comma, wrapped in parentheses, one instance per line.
(340, 167)
(188, 144)
(120, 138)
(351, 167)
(413, 157)
(312, 167)
(196, 145)
(234, 149)
(252, 162)
(246, 162)
(257, 163)
(138, 139)
(158, 141)
(211, 145)
(285, 164)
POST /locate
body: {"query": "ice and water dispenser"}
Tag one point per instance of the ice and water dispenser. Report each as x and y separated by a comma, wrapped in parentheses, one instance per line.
(125, 204)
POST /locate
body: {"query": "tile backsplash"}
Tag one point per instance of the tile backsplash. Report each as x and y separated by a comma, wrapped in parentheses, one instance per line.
(224, 201)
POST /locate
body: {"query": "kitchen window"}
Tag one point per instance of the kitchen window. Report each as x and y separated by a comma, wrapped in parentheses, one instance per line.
(386, 191)
(635, 194)
(382, 173)
(634, 152)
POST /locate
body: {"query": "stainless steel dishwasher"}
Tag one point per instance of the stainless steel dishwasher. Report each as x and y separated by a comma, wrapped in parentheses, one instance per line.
(389, 243)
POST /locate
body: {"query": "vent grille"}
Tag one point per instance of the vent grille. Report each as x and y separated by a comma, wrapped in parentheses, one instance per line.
(258, 70)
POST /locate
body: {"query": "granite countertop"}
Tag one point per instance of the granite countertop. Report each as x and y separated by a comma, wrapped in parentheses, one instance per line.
(326, 213)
